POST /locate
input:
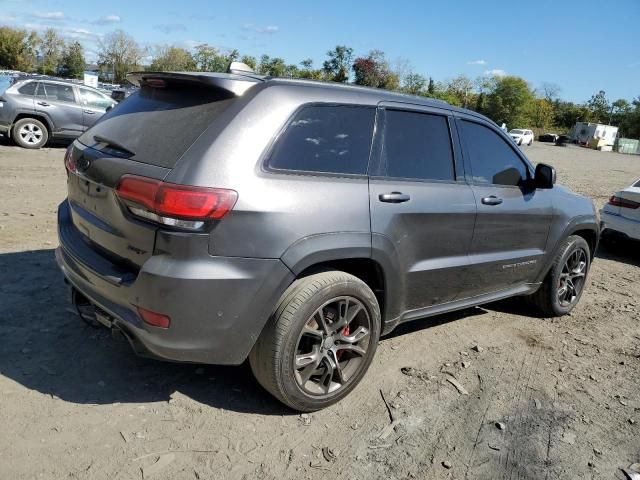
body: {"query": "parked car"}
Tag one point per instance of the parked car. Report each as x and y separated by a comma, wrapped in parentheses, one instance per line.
(548, 137)
(276, 224)
(35, 109)
(521, 137)
(119, 94)
(563, 140)
(621, 214)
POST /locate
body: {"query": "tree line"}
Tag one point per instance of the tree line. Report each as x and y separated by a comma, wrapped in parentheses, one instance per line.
(505, 99)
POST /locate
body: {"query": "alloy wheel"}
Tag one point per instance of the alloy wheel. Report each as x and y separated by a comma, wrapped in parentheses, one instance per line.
(572, 277)
(332, 346)
(31, 133)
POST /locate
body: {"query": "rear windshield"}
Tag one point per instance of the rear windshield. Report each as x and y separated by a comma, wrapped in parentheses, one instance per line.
(157, 125)
(5, 82)
(637, 184)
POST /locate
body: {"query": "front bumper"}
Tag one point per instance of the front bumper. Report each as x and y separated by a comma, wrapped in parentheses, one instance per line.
(620, 224)
(217, 305)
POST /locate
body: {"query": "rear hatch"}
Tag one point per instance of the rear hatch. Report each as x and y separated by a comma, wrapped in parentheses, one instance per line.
(144, 136)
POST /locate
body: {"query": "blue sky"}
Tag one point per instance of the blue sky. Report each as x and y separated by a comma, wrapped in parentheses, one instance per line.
(581, 45)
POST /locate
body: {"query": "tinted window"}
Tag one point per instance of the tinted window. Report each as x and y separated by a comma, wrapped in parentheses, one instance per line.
(159, 124)
(416, 145)
(332, 139)
(56, 92)
(492, 159)
(28, 89)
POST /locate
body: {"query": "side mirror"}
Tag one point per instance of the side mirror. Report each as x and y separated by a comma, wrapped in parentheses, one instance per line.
(545, 176)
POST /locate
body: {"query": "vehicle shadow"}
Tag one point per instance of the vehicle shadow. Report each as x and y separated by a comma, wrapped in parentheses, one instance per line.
(430, 322)
(53, 143)
(620, 250)
(46, 347)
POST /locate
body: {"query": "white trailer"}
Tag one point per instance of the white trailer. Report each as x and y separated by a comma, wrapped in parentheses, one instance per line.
(586, 133)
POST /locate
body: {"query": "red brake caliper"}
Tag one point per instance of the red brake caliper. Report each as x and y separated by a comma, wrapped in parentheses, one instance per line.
(345, 332)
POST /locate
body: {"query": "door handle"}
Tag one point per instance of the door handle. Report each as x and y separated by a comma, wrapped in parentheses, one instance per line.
(44, 104)
(394, 197)
(90, 112)
(492, 200)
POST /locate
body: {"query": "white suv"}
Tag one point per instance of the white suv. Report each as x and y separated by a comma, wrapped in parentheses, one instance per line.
(522, 137)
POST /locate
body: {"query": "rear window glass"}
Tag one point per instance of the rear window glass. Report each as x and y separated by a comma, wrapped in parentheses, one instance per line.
(28, 89)
(637, 184)
(157, 125)
(326, 139)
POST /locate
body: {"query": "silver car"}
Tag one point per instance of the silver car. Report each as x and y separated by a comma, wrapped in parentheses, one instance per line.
(36, 109)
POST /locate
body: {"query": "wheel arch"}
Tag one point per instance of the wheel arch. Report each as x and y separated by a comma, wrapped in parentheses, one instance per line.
(584, 226)
(349, 252)
(41, 118)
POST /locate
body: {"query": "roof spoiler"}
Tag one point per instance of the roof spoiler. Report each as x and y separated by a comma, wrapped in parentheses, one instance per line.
(234, 83)
(240, 68)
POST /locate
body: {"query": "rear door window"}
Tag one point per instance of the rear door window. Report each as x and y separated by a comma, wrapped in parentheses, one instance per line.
(326, 139)
(493, 160)
(56, 92)
(157, 125)
(416, 146)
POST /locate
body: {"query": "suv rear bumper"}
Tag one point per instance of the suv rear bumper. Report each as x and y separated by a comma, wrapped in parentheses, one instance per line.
(217, 305)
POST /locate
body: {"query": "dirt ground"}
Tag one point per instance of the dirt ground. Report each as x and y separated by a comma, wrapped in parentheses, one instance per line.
(545, 398)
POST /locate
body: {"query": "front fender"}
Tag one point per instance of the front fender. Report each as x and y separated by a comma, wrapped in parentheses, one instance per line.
(576, 224)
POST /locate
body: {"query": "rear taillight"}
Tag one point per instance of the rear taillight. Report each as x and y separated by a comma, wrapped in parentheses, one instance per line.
(69, 163)
(623, 202)
(181, 206)
(154, 319)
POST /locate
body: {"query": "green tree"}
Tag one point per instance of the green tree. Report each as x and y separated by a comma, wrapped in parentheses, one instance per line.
(336, 67)
(374, 71)
(210, 59)
(542, 113)
(118, 54)
(173, 59)
(599, 107)
(431, 89)
(51, 47)
(307, 71)
(72, 62)
(480, 103)
(629, 122)
(18, 49)
(461, 89)
(249, 61)
(510, 101)
(276, 67)
(414, 83)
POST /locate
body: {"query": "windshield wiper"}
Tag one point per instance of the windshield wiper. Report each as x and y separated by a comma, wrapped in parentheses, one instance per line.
(113, 144)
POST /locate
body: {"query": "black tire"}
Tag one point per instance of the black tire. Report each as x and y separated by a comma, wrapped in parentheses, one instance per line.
(30, 133)
(530, 143)
(273, 357)
(548, 297)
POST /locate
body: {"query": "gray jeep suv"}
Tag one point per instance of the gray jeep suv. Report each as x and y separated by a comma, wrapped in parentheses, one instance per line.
(213, 218)
(35, 109)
